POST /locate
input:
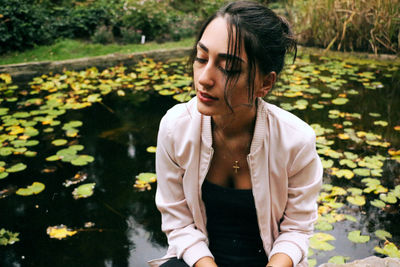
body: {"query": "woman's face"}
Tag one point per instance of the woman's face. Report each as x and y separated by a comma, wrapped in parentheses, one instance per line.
(210, 73)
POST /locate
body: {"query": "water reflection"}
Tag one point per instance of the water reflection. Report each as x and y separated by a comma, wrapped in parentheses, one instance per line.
(126, 230)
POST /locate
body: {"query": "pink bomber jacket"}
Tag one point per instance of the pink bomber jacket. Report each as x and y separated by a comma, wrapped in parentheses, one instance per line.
(285, 171)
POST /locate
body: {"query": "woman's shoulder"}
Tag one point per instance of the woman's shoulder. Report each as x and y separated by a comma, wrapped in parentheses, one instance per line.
(287, 121)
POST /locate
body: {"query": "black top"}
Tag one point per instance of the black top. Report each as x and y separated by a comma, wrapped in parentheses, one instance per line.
(232, 226)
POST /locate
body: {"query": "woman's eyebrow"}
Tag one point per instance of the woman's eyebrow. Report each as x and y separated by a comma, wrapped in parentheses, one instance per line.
(222, 55)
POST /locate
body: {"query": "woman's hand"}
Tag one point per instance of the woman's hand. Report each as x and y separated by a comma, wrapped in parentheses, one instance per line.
(280, 260)
(205, 262)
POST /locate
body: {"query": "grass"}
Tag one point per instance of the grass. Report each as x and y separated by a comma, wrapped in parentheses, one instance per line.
(71, 49)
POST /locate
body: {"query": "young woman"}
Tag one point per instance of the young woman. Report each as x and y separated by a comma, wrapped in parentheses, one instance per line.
(237, 177)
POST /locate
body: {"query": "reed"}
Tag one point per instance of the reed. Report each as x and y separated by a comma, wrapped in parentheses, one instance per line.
(347, 25)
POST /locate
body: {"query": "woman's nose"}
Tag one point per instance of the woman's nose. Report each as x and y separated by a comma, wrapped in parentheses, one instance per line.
(206, 77)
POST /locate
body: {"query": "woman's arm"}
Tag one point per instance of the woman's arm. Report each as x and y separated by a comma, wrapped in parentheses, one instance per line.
(205, 262)
(280, 260)
(184, 239)
(304, 183)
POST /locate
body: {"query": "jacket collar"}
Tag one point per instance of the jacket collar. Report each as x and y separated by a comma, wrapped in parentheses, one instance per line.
(260, 129)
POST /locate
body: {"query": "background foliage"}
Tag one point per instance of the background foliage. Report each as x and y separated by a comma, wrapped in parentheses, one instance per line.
(347, 25)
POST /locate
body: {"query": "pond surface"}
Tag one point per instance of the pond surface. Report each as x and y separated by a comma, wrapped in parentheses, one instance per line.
(102, 125)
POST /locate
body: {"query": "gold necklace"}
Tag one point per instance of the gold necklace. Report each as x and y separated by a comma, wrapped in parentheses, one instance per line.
(235, 165)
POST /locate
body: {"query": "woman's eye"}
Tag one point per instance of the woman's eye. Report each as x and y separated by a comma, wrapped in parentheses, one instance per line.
(229, 72)
(200, 60)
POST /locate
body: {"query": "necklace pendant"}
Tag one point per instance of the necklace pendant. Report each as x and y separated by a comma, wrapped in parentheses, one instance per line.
(236, 166)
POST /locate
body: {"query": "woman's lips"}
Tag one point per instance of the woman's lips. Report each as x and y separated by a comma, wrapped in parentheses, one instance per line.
(204, 97)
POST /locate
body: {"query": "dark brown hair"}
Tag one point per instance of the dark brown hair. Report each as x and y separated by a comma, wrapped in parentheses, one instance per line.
(266, 37)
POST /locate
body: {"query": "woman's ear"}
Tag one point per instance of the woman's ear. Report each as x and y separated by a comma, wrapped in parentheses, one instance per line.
(267, 83)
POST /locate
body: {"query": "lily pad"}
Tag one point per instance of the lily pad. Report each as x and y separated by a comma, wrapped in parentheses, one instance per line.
(7, 237)
(151, 149)
(389, 249)
(16, 167)
(320, 241)
(59, 142)
(33, 189)
(356, 200)
(356, 237)
(59, 232)
(83, 191)
(340, 101)
(377, 203)
(382, 234)
(338, 259)
(82, 160)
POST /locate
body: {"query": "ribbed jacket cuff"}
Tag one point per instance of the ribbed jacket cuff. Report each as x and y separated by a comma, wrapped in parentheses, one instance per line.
(290, 249)
(196, 252)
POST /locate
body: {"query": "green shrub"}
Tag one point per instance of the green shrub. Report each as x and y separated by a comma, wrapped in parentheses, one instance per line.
(130, 35)
(23, 24)
(365, 25)
(103, 35)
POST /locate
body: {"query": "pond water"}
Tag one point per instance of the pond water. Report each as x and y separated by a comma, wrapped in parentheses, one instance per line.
(88, 132)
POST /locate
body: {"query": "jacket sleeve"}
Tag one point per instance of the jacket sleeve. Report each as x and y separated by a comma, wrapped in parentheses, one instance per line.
(184, 239)
(304, 183)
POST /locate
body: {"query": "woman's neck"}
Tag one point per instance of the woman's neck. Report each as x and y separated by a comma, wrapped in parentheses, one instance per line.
(240, 122)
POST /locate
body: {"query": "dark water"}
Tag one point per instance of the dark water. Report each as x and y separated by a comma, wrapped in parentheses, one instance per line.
(126, 229)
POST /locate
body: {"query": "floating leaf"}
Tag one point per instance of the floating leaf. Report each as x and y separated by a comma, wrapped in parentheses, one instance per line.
(340, 101)
(7, 237)
(319, 241)
(59, 142)
(356, 200)
(16, 168)
(3, 175)
(143, 180)
(381, 123)
(372, 114)
(78, 177)
(350, 218)
(35, 188)
(378, 203)
(389, 249)
(59, 232)
(151, 149)
(382, 234)
(312, 262)
(82, 160)
(362, 171)
(323, 226)
(83, 191)
(354, 236)
(338, 259)
(348, 174)
(388, 198)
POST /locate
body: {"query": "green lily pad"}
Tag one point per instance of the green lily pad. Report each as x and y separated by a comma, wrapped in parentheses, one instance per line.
(381, 123)
(355, 191)
(319, 241)
(350, 218)
(7, 237)
(340, 101)
(30, 153)
(377, 203)
(82, 160)
(323, 226)
(35, 188)
(16, 167)
(389, 249)
(338, 259)
(373, 114)
(354, 236)
(77, 147)
(5, 151)
(59, 142)
(382, 234)
(356, 200)
(362, 171)
(349, 163)
(388, 198)
(83, 191)
(3, 175)
(312, 262)
(53, 158)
